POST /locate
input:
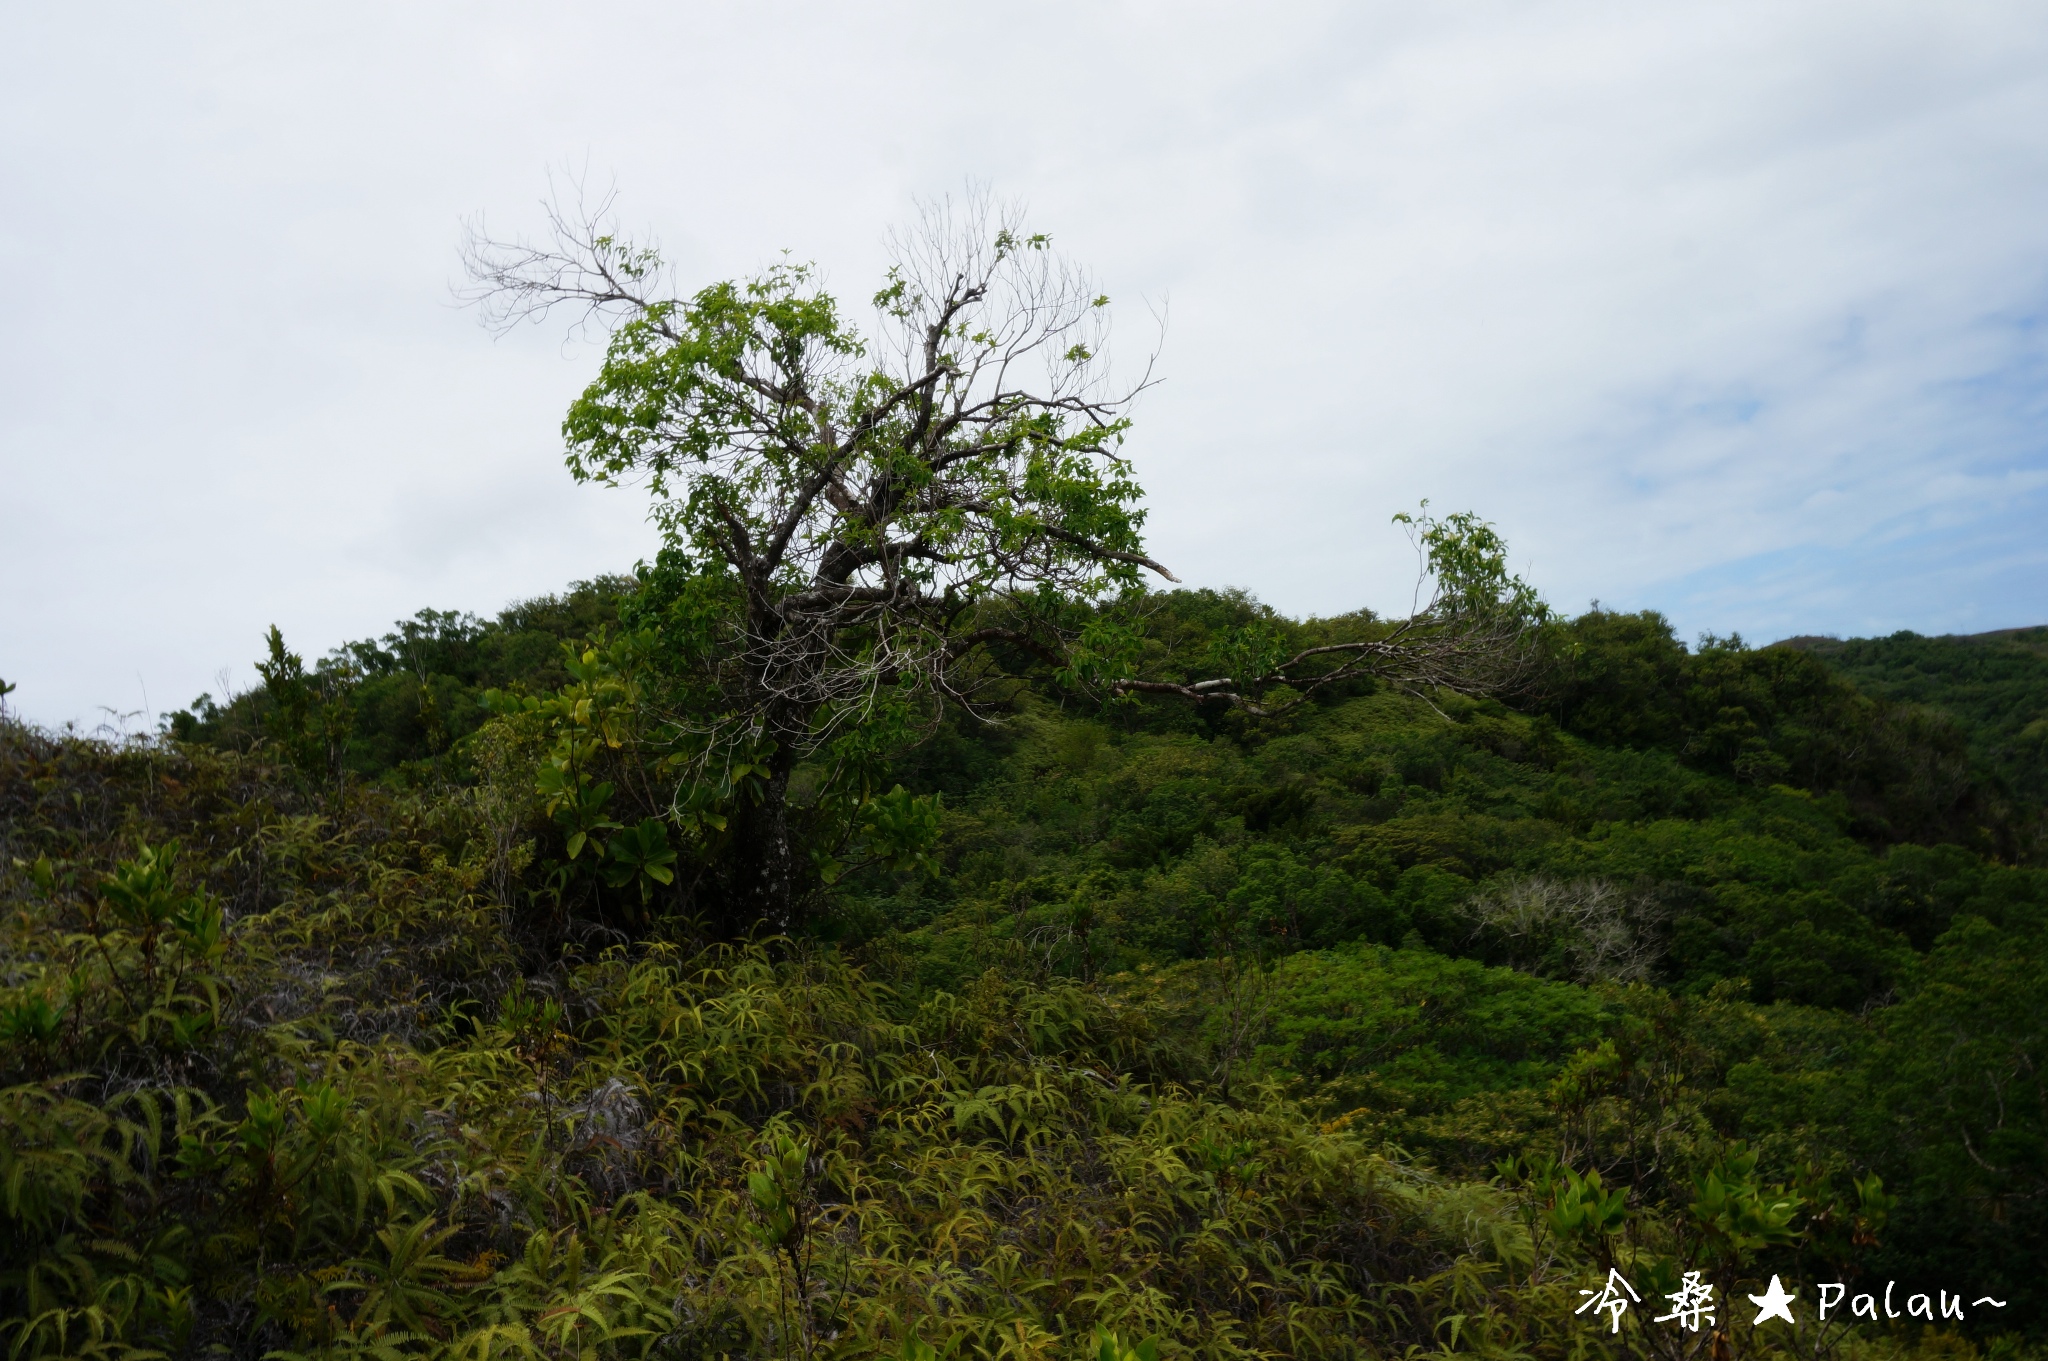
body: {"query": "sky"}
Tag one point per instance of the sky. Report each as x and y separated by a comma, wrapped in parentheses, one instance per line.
(1734, 311)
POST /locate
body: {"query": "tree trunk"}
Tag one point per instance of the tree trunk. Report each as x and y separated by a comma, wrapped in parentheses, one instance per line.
(762, 878)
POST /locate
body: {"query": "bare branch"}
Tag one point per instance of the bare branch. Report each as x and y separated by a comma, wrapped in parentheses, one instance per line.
(584, 264)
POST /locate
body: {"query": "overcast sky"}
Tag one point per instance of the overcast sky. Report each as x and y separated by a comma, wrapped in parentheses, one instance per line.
(1731, 310)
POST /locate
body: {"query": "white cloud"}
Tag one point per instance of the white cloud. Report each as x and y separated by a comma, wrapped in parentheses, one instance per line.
(1730, 309)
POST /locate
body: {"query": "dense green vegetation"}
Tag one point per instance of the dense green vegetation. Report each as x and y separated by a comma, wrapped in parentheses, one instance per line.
(1994, 684)
(415, 693)
(363, 1064)
(883, 926)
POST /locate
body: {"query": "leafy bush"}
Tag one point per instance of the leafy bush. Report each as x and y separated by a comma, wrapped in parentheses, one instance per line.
(1139, 1032)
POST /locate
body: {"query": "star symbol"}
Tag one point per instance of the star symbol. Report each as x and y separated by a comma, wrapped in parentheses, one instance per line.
(1773, 1303)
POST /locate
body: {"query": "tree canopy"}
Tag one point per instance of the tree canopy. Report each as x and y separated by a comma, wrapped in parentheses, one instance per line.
(865, 526)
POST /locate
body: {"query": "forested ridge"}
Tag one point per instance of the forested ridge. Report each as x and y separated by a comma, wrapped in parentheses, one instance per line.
(897, 922)
(1304, 1035)
(1990, 683)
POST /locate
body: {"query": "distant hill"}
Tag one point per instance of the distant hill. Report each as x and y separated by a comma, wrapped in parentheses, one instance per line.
(1994, 685)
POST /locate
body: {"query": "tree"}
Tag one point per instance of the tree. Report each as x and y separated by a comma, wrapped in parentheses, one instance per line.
(1468, 632)
(311, 712)
(851, 518)
(863, 526)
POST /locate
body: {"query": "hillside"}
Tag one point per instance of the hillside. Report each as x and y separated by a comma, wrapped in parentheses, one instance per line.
(1383, 1027)
(1995, 685)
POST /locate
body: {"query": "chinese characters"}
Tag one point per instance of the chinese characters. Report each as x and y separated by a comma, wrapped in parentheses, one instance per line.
(1692, 1305)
